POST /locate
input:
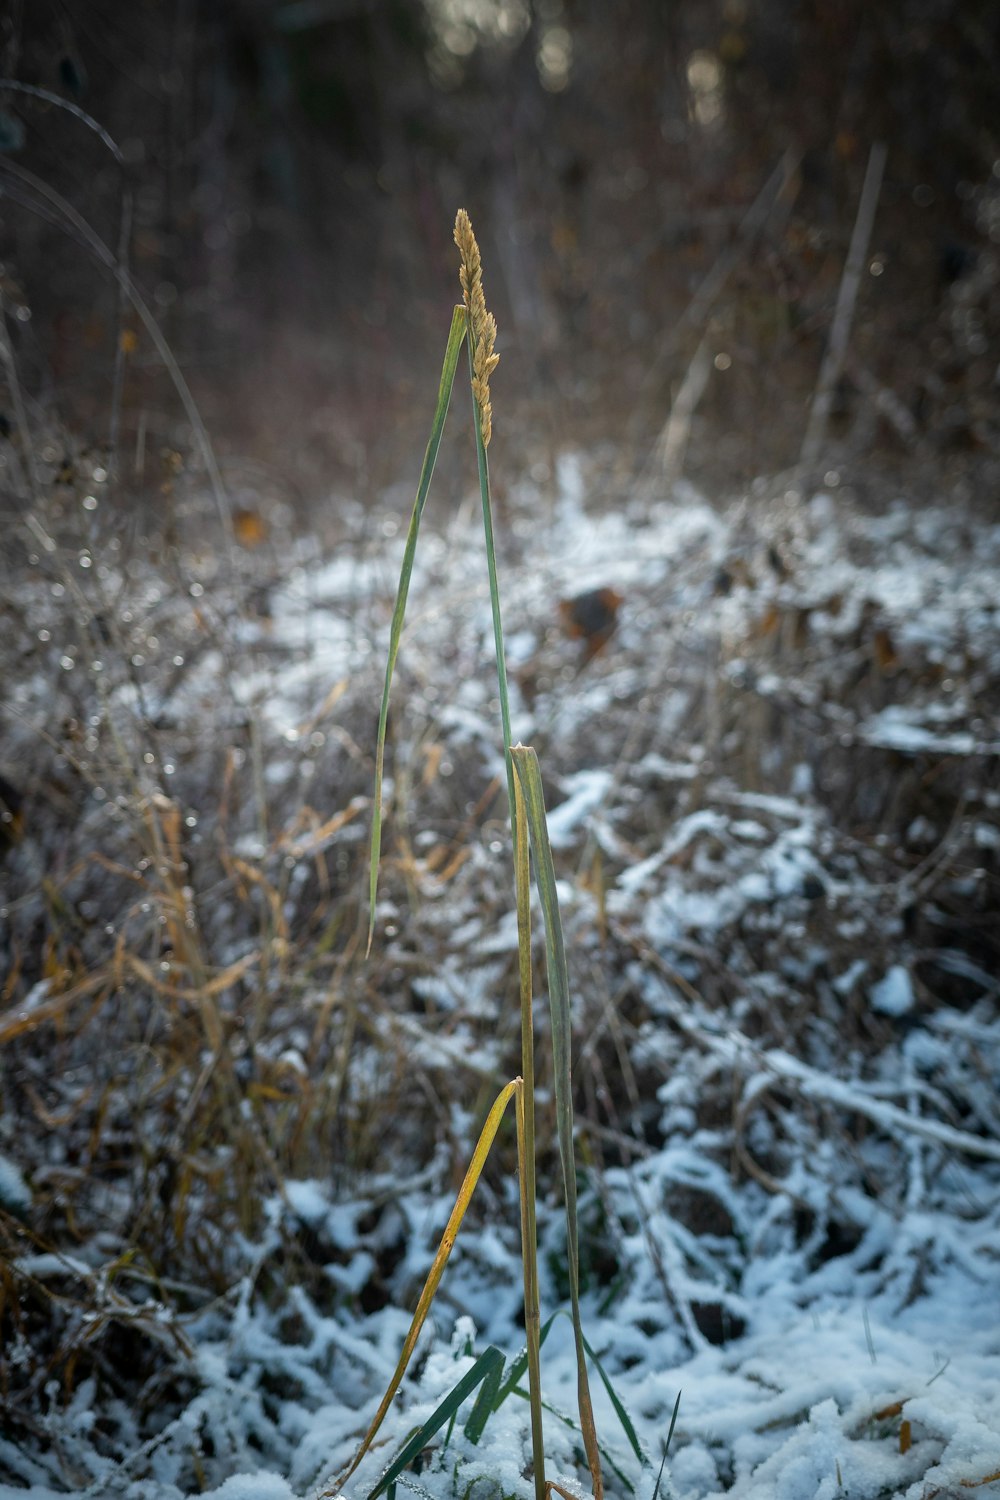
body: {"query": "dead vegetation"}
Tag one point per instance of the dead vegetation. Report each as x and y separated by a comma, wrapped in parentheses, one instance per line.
(775, 809)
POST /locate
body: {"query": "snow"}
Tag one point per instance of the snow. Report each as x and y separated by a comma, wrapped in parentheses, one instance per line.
(15, 1194)
(585, 792)
(308, 1200)
(799, 1236)
(893, 995)
(252, 1487)
(893, 729)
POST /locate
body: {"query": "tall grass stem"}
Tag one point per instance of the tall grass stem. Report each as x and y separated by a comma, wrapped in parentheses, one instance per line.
(530, 778)
(526, 1144)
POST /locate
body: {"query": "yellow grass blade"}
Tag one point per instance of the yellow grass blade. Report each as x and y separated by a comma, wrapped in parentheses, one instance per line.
(434, 1275)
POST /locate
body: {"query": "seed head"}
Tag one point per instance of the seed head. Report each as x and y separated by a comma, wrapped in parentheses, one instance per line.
(482, 325)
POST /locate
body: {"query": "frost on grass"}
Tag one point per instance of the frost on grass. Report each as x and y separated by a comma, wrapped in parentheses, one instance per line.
(228, 1150)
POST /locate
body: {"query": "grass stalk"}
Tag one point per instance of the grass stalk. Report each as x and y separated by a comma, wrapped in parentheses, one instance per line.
(528, 830)
(7, 360)
(530, 779)
(526, 1145)
(483, 360)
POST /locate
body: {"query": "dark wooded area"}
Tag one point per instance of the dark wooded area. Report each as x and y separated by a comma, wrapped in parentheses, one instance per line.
(292, 171)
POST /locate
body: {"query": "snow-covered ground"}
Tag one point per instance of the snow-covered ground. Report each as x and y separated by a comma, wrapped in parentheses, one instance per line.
(774, 802)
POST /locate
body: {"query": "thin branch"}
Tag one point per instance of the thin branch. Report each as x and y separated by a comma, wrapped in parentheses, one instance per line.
(69, 216)
(840, 330)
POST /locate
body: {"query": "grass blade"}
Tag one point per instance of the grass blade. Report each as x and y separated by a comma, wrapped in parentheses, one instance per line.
(673, 1424)
(454, 347)
(435, 1273)
(486, 1370)
(517, 1366)
(486, 1402)
(623, 1416)
(666, 1446)
(529, 775)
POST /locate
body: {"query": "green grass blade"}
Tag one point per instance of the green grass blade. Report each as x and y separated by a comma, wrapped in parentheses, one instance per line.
(622, 1414)
(486, 1402)
(666, 1446)
(529, 775)
(516, 1369)
(517, 1366)
(488, 1366)
(491, 563)
(455, 337)
(673, 1424)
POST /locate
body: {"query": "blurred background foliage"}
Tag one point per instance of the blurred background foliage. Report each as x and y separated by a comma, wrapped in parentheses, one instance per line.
(294, 167)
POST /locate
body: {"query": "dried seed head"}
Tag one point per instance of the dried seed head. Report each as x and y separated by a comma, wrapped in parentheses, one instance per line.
(482, 325)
